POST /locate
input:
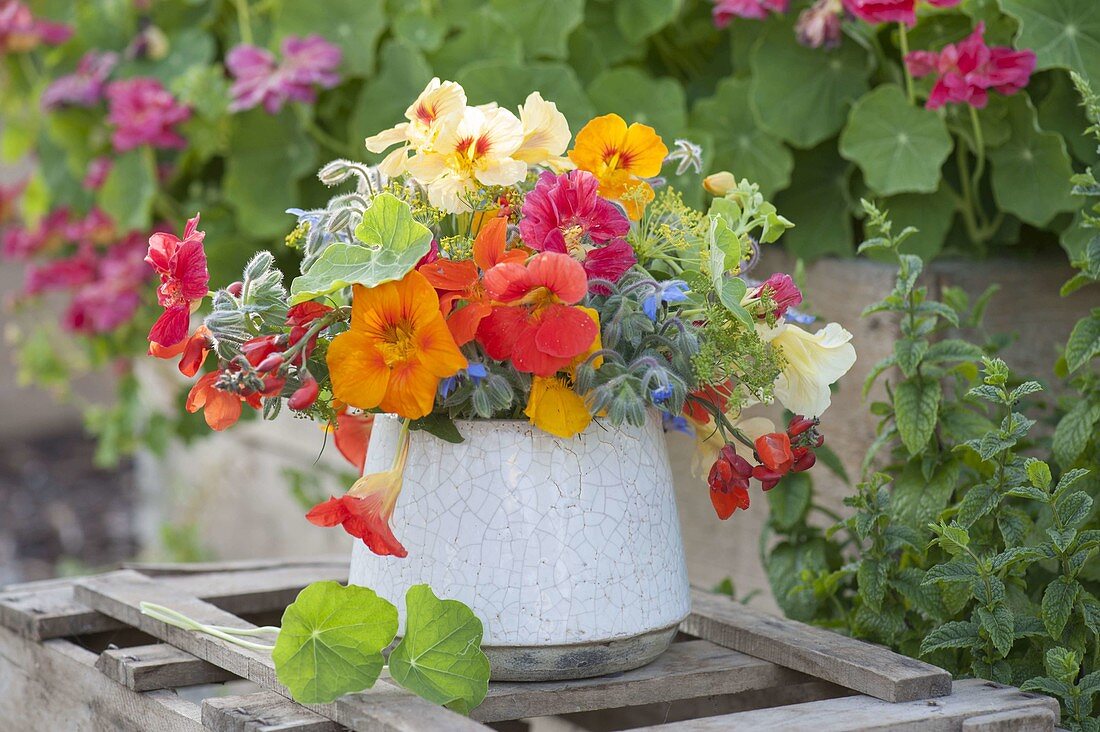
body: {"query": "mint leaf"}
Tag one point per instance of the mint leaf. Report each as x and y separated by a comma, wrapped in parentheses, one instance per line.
(331, 641)
(392, 243)
(916, 404)
(1058, 602)
(440, 657)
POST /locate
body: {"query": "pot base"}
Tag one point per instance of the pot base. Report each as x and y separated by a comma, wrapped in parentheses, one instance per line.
(577, 660)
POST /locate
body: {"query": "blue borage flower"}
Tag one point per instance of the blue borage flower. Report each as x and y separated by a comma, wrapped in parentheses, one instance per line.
(670, 291)
(475, 372)
(675, 423)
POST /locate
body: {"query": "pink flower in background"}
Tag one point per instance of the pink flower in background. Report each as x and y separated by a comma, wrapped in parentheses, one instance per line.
(112, 297)
(782, 289)
(259, 79)
(96, 174)
(564, 214)
(20, 31)
(968, 69)
(143, 112)
(726, 10)
(20, 242)
(819, 25)
(61, 274)
(891, 11)
(83, 87)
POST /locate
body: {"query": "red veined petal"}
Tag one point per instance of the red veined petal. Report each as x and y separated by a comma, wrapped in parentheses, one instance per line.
(610, 262)
(171, 327)
(465, 321)
(368, 522)
(162, 246)
(351, 435)
(774, 450)
(499, 329)
(444, 274)
(328, 513)
(559, 273)
(508, 281)
(189, 268)
(564, 332)
(490, 242)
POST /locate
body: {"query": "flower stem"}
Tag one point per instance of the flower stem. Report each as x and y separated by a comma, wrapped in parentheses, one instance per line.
(179, 620)
(244, 21)
(979, 147)
(903, 39)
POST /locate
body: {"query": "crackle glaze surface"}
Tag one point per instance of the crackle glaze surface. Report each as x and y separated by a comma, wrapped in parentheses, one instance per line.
(549, 541)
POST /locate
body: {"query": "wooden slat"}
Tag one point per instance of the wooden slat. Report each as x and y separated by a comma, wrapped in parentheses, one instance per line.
(969, 698)
(55, 686)
(686, 671)
(158, 666)
(162, 569)
(1037, 719)
(53, 612)
(263, 711)
(383, 708)
(868, 669)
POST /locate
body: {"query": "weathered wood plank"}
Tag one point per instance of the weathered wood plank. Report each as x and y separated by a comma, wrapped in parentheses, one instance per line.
(1037, 719)
(263, 711)
(686, 671)
(382, 708)
(53, 612)
(158, 666)
(969, 698)
(162, 569)
(868, 669)
(55, 686)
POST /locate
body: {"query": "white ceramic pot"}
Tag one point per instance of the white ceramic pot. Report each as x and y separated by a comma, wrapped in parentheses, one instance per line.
(568, 550)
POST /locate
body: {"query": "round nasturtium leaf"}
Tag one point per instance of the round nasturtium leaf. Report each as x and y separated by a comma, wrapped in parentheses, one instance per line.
(1063, 33)
(900, 148)
(440, 657)
(391, 242)
(637, 97)
(331, 641)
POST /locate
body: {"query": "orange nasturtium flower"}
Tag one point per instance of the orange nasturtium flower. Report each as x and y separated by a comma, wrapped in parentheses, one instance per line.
(397, 349)
(459, 280)
(620, 157)
(221, 409)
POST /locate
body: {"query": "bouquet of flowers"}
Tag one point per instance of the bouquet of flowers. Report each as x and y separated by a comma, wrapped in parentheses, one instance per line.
(486, 269)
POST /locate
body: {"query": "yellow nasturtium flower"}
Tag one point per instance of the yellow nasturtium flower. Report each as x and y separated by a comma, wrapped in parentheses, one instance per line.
(620, 156)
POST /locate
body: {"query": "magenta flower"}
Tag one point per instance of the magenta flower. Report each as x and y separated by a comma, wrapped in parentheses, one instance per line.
(819, 25)
(968, 69)
(144, 113)
(259, 79)
(891, 11)
(564, 214)
(20, 31)
(96, 174)
(83, 87)
(61, 274)
(21, 243)
(114, 295)
(782, 289)
(725, 11)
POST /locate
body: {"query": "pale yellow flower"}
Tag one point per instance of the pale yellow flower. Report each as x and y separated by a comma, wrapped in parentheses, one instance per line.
(545, 134)
(438, 101)
(812, 363)
(470, 151)
(719, 184)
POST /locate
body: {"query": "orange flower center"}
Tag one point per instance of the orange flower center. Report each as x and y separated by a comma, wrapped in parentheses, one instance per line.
(398, 344)
(616, 159)
(539, 298)
(468, 154)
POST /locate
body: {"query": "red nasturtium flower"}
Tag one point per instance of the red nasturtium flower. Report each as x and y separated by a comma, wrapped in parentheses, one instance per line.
(181, 264)
(220, 408)
(538, 328)
(774, 452)
(352, 434)
(460, 281)
(891, 11)
(718, 395)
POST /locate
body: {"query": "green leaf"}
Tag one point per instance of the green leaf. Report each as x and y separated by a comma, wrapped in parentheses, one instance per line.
(640, 19)
(917, 403)
(957, 570)
(871, 577)
(128, 193)
(1058, 600)
(508, 84)
(999, 623)
(353, 25)
(393, 242)
(908, 353)
(817, 201)
(1084, 341)
(1073, 509)
(1074, 430)
(485, 36)
(900, 148)
(955, 634)
(953, 350)
(741, 146)
(789, 502)
(269, 153)
(1063, 33)
(543, 27)
(1031, 171)
(785, 567)
(802, 94)
(188, 48)
(918, 500)
(382, 103)
(637, 97)
(931, 213)
(331, 641)
(440, 657)
(439, 425)
(417, 27)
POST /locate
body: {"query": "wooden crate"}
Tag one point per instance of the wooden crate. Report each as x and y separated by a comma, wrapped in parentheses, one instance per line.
(79, 655)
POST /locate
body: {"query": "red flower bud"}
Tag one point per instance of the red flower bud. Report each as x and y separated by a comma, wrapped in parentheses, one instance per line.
(804, 462)
(270, 363)
(729, 482)
(305, 313)
(259, 348)
(774, 451)
(273, 385)
(800, 424)
(768, 478)
(236, 288)
(305, 395)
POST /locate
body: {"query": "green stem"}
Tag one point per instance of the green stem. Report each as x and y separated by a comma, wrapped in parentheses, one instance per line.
(903, 39)
(967, 204)
(338, 146)
(179, 620)
(244, 21)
